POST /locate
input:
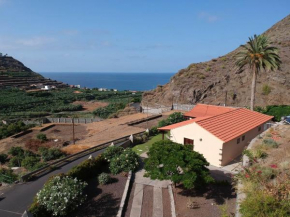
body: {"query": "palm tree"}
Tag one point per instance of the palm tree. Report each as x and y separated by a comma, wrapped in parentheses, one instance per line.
(257, 54)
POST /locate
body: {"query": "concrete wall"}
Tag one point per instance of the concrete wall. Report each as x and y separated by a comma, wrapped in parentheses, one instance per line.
(204, 142)
(231, 149)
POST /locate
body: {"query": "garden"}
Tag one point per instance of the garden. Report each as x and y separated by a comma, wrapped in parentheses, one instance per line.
(18, 160)
(92, 188)
(266, 180)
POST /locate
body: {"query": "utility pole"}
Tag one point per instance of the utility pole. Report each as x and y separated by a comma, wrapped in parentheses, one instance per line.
(73, 123)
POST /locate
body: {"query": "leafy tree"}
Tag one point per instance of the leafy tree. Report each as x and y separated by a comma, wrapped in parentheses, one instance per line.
(50, 154)
(61, 195)
(257, 54)
(179, 163)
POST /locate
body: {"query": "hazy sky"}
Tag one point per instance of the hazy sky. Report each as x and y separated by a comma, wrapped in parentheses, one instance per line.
(129, 35)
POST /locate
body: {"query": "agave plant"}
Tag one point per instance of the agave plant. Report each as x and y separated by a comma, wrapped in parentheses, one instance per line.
(257, 55)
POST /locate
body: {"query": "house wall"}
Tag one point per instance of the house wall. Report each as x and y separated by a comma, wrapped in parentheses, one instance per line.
(232, 150)
(210, 146)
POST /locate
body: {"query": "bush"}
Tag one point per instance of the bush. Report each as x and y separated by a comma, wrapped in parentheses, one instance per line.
(29, 162)
(270, 143)
(3, 158)
(42, 137)
(266, 89)
(125, 162)
(61, 195)
(153, 131)
(260, 204)
(88, 169)
(50, 154)
(175, 117)
(15, 161)
(7, 176)
(104, 178)
(111, 152)
(275, 110)
(137, 140)
(16, 151)
(38, 210)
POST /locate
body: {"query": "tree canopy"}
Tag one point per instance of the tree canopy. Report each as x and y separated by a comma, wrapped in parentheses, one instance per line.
(179, 163)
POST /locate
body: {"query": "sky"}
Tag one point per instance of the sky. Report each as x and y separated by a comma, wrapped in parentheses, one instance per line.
(129, 35)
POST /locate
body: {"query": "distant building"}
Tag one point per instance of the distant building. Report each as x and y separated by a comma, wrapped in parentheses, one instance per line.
(103, 89)
(78, 86)
(115, 90)
(46, 87)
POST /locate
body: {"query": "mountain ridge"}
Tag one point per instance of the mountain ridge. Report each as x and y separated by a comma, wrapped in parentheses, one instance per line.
(218, 82)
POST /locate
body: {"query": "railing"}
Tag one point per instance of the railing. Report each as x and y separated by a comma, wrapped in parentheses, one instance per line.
(76, 156)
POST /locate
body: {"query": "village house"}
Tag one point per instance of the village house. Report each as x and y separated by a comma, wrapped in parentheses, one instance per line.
(219, 133)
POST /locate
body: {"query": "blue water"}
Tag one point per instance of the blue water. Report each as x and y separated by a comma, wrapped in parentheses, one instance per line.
(112, 80)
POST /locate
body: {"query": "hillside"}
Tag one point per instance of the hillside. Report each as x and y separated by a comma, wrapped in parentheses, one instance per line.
(208, 82)
(14, 73)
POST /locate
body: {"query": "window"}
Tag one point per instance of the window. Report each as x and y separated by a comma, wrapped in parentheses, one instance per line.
(243, 137)
(238, 140)
(259, 129)
(188, 141)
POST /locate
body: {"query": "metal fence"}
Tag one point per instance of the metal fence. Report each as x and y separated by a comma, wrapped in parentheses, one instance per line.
(70, 120)
(124, 140)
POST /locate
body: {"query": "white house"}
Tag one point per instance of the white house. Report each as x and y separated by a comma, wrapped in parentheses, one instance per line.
(219, 137)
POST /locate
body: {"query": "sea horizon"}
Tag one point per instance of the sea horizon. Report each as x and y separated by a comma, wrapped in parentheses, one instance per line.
(139, 81)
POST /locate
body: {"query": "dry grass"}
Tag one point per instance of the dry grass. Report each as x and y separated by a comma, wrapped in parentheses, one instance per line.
(91, 105)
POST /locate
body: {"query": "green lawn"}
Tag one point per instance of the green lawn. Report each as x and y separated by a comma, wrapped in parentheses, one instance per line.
(139, 149)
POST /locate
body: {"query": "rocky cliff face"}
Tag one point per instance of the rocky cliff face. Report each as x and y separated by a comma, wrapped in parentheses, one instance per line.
(217, 81)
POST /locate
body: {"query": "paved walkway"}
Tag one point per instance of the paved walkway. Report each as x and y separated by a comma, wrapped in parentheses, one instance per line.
(140, 183)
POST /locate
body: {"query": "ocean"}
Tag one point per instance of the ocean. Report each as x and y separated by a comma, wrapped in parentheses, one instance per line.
(112, 80)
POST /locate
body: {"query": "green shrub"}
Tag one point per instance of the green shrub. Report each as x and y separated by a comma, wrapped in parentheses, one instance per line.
(270, 143)
(153, 131)
(15, 161)
(38, 210)
(42, 137)
(266, 89)
(125, 162)
(48, 154)
(61, 195)
(175, 117)
(3, 158)
(111, 152)
(259, 204)
(16, 151)
(29, 162)
(88, 168)
(104, 178)
(137, 140)
(275, 110)
(7, 176)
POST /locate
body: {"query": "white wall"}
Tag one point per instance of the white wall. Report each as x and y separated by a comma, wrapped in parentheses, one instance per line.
(210, 146)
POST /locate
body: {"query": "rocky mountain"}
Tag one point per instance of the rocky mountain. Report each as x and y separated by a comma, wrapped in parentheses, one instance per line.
(9, 64)
(217, 81)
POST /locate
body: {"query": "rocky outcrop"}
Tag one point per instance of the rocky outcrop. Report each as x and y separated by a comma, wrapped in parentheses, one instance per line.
(217, 81)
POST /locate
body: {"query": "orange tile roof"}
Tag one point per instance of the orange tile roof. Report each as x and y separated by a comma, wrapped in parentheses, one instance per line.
(233, 124)
(201, 110)
(180, 124)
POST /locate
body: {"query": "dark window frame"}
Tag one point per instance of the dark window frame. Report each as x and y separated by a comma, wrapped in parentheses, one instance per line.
(243, 137)
(238, 140)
